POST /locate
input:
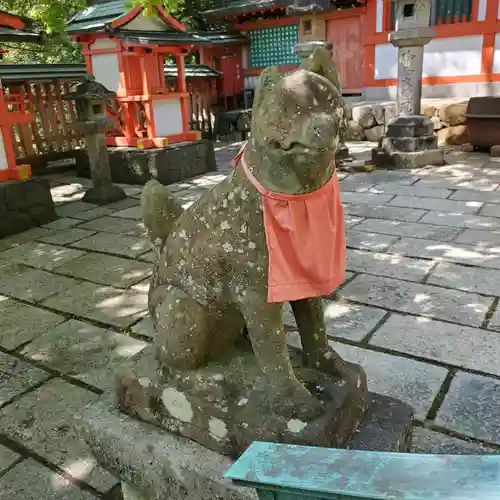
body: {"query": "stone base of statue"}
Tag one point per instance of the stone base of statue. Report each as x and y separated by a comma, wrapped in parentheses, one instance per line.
(409, 143)
(154, 464)
(104, 194)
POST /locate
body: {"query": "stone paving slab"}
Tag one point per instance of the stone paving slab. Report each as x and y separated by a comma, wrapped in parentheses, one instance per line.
(17, 377)
(93, 213)
(32, 285)
(356, 186)
(62, 223)
(134, 212)
(470, 195)
(22, 323)
(369, 241)
(490, 210)
(70, 209)
(21, 238)
(468, 279)
(398, 189)
(351, 220)
(42, 422)
(7, 458)
(458, 183)
(127, 202)
(40, 255)
(31, 481)
(426, 300)
(383, 264)
(117, 244)
(409, 229)
(403, 177)
(385, 212)
(480, 238)
(471, 407)
(472, 207)
(66, 236)
(101, 303)
(126, 227)
(85, 352)
(465, 221)
(107, 270)
(428, 441)
(448, 251)
(460, 346)
(494, 323)
(413, 382)
(365, 198)
(144, 328)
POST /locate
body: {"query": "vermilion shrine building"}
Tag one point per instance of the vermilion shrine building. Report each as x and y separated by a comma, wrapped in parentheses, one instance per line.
(462, 60)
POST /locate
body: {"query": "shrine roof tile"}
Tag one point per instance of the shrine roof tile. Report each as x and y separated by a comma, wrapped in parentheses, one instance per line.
(95, 17)
(246, 6)
(192, 71)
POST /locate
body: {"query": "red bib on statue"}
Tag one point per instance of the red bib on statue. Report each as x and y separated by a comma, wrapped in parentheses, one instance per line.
(305, 239)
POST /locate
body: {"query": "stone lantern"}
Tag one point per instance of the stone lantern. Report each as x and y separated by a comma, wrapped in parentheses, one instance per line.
(410, 141)
(91, 99)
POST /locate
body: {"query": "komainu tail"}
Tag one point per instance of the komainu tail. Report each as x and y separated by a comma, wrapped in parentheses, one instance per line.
(159, 209)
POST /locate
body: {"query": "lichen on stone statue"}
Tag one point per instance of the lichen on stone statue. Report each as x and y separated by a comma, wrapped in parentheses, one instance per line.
(226, 376)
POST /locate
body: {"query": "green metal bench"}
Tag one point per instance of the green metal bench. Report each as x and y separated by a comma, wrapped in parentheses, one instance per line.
(286, 472)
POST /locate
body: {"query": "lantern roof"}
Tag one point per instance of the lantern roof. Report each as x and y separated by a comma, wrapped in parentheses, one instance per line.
(14, 28)
(88, 90)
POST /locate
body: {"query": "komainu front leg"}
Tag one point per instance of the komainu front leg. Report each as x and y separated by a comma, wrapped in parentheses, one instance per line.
(316, 350)
(267, 335)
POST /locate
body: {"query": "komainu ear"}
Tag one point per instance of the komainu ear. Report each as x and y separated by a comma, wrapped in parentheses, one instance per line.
(320, 61)
(267, 81)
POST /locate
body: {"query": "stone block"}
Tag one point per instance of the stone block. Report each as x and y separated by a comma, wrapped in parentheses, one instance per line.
(355, 131)
(495, 151)
(469, 279)
(453, 136)
(451, 251)
(460, 346)
(169, 165)
(375, 133)
(436, 123)
(464, 221)
(408, 229)
(31, 481)
(413, 382)
(414, 298)
(471, 407)
(116, 244)
(363, 114)
(25, 204)
(479, 238)
(21, 323)
(100, 303)
(17, 377)
(406, 160)
(41, 255)
(378, 114)
(126, 227)
(32, 285)
(107, 270)
(88, 353)
(471, 207)
(7, 458)
(369, 241)
(392, 266)
(453, 113)
(436, 443)
(385, 212)
(66, 236)
(390, 112)
(42, 420)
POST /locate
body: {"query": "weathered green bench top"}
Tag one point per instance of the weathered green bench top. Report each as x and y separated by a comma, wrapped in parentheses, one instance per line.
(285, 472)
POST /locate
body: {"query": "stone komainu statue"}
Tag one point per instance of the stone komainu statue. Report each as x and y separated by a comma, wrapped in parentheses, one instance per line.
(231, 260)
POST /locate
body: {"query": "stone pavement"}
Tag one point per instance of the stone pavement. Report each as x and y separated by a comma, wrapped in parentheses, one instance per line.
(419, 311)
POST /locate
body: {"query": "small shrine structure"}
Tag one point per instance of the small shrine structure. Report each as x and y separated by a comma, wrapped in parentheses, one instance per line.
(13, 109)
(125, 51)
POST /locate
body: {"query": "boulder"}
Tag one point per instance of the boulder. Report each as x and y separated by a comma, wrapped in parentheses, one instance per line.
(363, 114)
(355, 131)
(375, 133)
(378, 114)
(436, 122)
(495, 151)
(453, 135)
(453, 113)
(390, 112)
